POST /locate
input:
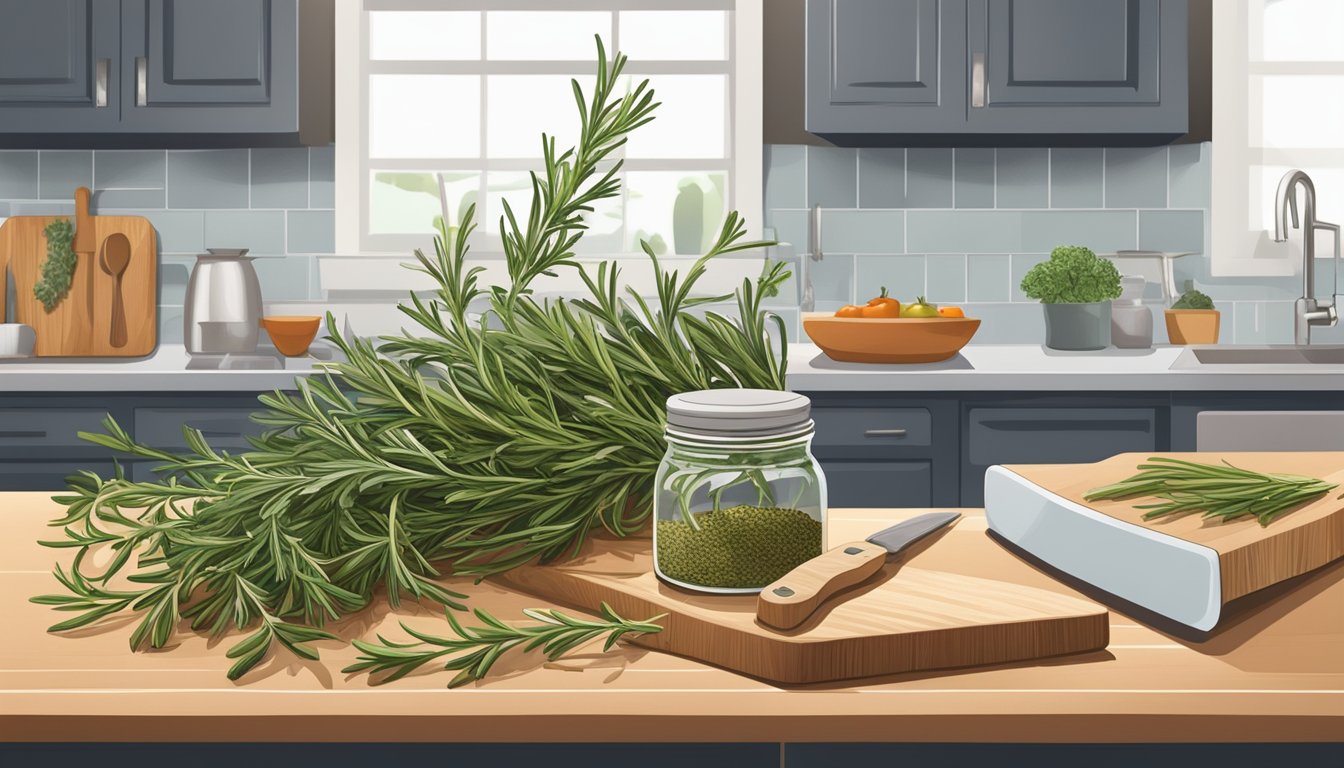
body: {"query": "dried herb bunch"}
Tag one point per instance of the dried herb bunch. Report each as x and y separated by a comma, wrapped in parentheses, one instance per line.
(466, 446)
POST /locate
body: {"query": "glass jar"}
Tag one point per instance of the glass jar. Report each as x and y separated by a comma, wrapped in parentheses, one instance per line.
(739, 499)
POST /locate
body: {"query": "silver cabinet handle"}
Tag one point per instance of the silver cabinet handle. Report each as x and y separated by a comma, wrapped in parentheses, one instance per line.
(884, 433)
(815, 233)
(141, 82)
(978, 80)
(100, 83)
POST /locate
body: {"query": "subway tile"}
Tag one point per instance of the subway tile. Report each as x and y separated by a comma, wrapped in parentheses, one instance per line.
(322, 177)
(1136, 177)
(210, 178)
(312, 231)
(881, 178)
(170, 325)
(127, 198)
(785, 176)
(62, 170)
(1171, 231)
(945, 278)
(284, 278)
(261, 232)
(1008, 323)
(1022, 178)
(174, 272)
(279, 177)
(832, 281)
(179, 231)
(790, 227)
(963, 231)
(863, 231)
(928, 178)
(902, 275)
(1190, 179)
(50, 208)
(1075, 178)
(18, 175)
(129, 169)
(832, 177)
(1101, 231)
(973, 172)
(1260, 322)
(1021, 264)
(988, 276)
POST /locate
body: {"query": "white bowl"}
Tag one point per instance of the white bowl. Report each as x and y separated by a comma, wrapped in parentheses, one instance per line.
(17, 340)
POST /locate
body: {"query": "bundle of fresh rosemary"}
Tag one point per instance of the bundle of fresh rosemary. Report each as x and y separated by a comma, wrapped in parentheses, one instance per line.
(467, 446)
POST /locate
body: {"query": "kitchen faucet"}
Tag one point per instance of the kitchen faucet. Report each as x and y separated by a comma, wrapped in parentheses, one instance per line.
(1307, 311)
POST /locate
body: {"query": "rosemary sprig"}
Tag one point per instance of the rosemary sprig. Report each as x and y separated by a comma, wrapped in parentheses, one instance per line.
(557, 634)
(1221, 492)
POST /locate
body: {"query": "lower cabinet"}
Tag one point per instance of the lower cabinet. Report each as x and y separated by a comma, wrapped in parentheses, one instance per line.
(878, 483)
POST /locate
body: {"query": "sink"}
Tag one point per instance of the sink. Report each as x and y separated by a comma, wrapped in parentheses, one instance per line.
(1281, 355)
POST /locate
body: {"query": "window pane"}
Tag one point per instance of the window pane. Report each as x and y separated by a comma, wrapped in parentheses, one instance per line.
(521, 107)
(1300, 110)
(424, 35)
(407, 202)
(516, 188)
(690, 123)
(424, 116)
(545, 35)
(674, 35)
(677, 212)
(1302, 30)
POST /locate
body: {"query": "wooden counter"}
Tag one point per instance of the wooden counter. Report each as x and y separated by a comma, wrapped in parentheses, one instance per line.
(1273, 672)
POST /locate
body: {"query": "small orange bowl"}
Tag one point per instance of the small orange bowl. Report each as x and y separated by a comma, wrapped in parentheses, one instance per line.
(889, 340)
(291, 334)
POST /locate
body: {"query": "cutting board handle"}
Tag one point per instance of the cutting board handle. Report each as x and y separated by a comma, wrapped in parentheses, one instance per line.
(84, 237)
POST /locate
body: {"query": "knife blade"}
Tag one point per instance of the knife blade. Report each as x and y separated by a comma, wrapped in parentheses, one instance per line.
(789, 601)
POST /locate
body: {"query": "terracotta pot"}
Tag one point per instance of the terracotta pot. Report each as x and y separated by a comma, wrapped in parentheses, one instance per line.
(1192, 326)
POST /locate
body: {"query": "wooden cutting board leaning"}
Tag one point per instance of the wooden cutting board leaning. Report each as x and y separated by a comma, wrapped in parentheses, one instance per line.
(1182, 567)
(910, 617)
(111, 309)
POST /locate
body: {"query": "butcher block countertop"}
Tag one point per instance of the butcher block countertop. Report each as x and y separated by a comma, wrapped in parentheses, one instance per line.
(1273, 672)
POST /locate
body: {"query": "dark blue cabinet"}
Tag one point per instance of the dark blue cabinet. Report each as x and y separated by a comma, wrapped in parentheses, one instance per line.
(937, 70)
(130, 67)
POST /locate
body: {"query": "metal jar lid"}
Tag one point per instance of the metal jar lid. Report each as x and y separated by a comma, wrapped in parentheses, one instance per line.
(738, 412)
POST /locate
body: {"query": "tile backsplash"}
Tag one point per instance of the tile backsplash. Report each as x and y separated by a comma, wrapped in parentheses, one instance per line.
(964, 225)
(277, 202)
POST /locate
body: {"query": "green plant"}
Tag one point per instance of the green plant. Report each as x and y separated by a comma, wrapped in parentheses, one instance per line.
(557, 634)
(467, 447)
(1220, 492)
(1072, 275)
(1193, 299)
(58, 270)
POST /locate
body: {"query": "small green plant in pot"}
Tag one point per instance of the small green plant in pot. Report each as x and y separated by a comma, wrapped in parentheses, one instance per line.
(1193, 319)
(1075, 287)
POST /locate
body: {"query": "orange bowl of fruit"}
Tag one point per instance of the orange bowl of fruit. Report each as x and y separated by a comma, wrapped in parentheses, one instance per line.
(886, 331)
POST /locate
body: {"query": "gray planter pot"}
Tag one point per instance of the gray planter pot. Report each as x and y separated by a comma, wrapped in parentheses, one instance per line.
(1077, 327)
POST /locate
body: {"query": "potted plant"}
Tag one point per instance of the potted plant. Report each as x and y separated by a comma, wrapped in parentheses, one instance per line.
(1075, 287)
(1192, 319)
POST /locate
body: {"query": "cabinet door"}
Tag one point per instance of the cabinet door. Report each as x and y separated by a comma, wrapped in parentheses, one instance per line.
(1050, 436)
(878, 483)
(1081, 66)
(204, 66)
(58, 65)
(885, 66)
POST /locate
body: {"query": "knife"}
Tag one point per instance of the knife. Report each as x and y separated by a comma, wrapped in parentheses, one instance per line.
(789, 601)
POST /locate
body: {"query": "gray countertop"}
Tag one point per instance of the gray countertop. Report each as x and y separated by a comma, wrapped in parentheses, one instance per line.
(164, 371)
(1032, 368)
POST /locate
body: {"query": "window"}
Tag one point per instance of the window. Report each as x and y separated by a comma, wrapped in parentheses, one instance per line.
(1278, 103)
(450, 97)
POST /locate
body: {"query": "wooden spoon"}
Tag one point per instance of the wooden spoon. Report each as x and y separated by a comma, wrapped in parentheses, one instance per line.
(116, 258)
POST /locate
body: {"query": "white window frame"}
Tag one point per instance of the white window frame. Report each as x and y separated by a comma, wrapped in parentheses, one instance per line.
(745, 148)
(1236, 251)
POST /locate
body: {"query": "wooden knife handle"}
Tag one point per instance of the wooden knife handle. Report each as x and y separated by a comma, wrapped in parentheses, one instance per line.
(789, 601)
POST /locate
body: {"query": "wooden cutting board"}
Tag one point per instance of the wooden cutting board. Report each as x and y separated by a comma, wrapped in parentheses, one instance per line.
(81, 324)
(906, 618)
(1184, 568)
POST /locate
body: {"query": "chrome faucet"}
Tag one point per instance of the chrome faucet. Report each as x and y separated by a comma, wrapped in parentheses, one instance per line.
(1307, 311)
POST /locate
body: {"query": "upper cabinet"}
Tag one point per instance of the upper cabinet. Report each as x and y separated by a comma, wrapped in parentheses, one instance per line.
(952, 71)
(124, 68)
